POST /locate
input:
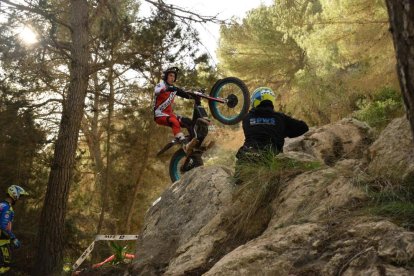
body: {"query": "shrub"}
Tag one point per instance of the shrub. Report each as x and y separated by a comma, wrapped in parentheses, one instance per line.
(381, 109)
(393, 200)
(260, 180)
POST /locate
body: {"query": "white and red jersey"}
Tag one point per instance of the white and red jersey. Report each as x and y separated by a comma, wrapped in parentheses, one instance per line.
(164, 99)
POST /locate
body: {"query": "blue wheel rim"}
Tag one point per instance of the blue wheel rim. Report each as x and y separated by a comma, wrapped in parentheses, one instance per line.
(176, 169)
(215, 105)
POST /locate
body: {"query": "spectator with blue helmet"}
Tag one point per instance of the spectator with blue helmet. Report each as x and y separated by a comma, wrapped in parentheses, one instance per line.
(7, 237)
(265, 129)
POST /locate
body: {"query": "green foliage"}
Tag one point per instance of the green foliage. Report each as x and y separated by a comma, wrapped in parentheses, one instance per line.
(201, 76)
(119, 252)
(21, 153)
(260, 178)
(333, 44)
(20, 139)
(318, 55)
(379, 110)
(402, 211)
(391, 199)
(257, 52)
(266, 165)
(318, 100)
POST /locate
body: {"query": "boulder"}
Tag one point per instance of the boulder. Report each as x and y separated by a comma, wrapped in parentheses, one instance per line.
(273, 253)
(347, 138)
(183, 209)
(316, 195)
(392, 154)
(351, 247)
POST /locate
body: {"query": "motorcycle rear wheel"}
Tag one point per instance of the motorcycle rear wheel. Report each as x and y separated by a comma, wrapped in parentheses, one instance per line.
(179, 164)
(176, 162)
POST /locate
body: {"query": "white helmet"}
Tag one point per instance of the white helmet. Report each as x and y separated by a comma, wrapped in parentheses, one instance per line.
(15, 192)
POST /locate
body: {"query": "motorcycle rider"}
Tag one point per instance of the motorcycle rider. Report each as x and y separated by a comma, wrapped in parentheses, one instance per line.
(165, 93)
(7, 237)
(264, 129)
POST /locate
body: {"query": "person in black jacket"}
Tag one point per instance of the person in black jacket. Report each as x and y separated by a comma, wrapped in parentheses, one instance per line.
(264, 129)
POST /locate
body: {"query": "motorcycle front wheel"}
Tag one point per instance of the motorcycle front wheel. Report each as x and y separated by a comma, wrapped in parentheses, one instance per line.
(237, 95)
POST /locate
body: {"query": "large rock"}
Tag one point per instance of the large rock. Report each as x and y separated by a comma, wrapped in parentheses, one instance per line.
(305, 221)
(318, 194)
(302, 214)
(198, 254)
(347, 138)
(352, 246)
(236, 223)
(191, 226)
(392, 154)
(184, 208)
(273, 253)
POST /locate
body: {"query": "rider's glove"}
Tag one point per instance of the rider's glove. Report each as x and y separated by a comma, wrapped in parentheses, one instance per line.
(179, 90)
(171, 88)
(16, 243)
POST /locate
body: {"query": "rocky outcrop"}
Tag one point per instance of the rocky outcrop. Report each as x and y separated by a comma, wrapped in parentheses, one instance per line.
(185, 208)
(392, 154)
(310, 221)
(346, 139)
(344, 247)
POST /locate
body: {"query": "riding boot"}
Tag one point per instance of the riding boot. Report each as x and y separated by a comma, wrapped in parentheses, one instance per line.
(180, 137)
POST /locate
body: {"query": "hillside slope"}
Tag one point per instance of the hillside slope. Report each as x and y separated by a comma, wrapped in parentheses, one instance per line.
(311, 214)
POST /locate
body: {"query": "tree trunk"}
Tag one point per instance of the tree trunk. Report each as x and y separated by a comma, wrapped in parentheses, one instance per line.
(401, 15)
(138, 180)
(52, 221)
(93, 135)
(105, 183)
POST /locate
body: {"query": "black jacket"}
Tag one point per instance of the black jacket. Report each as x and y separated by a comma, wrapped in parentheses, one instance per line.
(264, 128)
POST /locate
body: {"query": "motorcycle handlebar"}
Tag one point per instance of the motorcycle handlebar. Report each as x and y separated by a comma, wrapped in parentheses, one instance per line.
(200, 94)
